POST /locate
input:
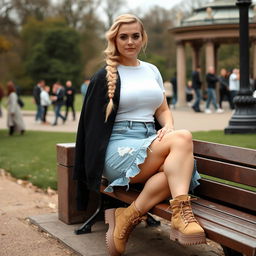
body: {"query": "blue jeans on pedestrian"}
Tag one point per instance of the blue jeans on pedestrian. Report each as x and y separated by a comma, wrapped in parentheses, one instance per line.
(39, 113)
(196, 105)
(233, 94)
(57, 109)
(211, 97)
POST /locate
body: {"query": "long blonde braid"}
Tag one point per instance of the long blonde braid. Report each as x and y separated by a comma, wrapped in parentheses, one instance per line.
(112, 55)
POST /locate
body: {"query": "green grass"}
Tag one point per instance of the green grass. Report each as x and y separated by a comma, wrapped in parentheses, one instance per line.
(29, 102)
(240, 140)
(32, 156)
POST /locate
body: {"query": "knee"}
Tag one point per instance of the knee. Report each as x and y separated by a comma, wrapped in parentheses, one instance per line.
(183, 139)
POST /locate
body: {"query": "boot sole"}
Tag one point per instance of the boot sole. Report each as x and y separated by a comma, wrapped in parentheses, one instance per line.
(187, 239)
(110, 220)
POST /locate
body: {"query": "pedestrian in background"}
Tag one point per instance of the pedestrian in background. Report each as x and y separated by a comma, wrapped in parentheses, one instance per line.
(58, 102)
(84, 87)
(36, 93)
(1, 97)
(224, 88)
(168, 92)
(70, 99)
(174, 90)
(234, 84)
(189, 93)
(45, 101)
(196, 85)
(14, 118)
(211, 80)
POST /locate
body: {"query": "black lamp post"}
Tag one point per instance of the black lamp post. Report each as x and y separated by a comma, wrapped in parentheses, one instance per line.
(244, 118)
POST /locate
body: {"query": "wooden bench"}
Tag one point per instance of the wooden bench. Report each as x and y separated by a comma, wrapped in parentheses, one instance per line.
(225, 209)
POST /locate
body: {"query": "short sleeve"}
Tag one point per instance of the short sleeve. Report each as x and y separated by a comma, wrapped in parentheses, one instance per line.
(159, 78)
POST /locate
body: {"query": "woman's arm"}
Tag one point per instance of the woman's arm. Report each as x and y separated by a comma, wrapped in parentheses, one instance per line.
(165, 119)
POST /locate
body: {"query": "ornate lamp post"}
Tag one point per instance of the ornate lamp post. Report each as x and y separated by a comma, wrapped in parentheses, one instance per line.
(244, 118)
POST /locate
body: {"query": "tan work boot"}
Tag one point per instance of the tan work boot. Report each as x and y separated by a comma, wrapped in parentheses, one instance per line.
(184, 226)
(121, 223)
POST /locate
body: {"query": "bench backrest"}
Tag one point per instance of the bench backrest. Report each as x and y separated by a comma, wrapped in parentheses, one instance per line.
(231, 164)
(235, 165)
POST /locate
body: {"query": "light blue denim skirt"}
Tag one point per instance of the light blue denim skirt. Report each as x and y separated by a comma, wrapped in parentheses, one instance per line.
(127, 148)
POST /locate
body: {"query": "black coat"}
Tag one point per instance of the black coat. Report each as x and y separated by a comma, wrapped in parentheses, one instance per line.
(92, 136)
(211, 80)
(196, 82)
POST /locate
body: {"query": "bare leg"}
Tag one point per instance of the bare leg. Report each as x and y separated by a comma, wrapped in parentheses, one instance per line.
(155, 190)
(175, 153)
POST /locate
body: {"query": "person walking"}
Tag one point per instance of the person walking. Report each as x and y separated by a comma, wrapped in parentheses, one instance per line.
(224, 88)
(45, 102)
(1, 97)
(84, 87)
(234, 84)
(36, 93)
(117, 138)
(211, 80)
(14, 117)
(196, 85)
(58, 102)
(174, 90)
(70, 99)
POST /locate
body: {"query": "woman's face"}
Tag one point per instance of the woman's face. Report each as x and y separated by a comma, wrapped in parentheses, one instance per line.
(129, 40)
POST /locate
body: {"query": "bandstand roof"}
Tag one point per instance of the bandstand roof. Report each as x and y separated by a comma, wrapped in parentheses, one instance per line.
(218, 20)
(217, 12)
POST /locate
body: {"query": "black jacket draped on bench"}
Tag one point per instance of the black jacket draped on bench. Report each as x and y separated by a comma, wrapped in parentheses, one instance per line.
(92, 137)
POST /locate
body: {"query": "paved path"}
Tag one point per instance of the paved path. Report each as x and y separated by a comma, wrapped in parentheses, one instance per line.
(184, 118)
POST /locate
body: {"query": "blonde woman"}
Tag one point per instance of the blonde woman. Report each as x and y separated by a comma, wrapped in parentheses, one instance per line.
(117, 139)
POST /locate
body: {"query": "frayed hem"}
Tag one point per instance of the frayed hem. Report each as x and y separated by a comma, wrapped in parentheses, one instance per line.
(134, 169)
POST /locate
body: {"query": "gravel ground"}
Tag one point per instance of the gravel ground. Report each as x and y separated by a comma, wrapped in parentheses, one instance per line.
(18, 200)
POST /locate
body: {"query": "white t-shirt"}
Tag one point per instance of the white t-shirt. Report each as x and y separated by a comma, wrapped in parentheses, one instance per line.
(142, 92)
(233, 82)
(44, 98)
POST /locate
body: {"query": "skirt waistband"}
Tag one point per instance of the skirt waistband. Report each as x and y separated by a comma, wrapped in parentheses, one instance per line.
(131, 124)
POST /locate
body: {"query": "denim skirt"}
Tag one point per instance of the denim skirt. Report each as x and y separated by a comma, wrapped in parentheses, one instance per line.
(127, 149)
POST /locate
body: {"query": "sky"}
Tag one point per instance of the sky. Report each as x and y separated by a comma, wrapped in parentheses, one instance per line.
(144, 5)
(168, 4)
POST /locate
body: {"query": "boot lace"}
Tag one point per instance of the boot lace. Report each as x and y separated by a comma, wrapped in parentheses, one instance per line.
(131, 224)
(186, 212)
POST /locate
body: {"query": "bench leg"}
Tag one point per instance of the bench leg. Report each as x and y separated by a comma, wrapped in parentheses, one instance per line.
(151, 222)
(230, 252)
(87, 226)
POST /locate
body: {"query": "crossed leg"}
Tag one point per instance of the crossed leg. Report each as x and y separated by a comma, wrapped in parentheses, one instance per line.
(167, 169)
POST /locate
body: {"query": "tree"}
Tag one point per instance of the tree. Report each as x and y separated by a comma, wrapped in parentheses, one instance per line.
(5, 45)
(111, 8)
(30, 8)
(56, 57)
(75, 11)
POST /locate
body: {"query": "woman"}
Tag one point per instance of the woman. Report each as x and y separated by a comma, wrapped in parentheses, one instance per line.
(14, 118)
(121, 143)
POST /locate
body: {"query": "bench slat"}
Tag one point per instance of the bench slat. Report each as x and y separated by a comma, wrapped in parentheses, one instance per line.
(227, 171)
(225, 220)
(232, 154)
(222, 208)
(225, 193)
(229, 238)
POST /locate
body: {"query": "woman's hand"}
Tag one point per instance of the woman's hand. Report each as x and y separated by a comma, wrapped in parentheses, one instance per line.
(163, 131)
